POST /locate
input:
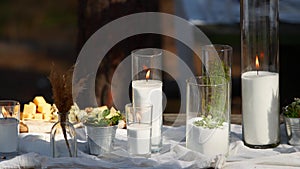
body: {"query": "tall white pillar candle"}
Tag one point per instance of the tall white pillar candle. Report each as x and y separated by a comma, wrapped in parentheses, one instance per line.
(260, 94)
(8, 135)
(150, 91)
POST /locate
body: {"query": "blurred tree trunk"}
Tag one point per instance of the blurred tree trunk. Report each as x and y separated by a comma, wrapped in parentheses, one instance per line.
(92, 15)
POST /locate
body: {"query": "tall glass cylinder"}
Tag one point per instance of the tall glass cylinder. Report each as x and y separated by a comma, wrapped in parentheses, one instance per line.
(210, 56)
(147, 88)
(260, 73)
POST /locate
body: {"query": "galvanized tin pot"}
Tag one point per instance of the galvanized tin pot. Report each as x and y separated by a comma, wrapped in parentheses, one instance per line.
(292, 126)
(100, 139)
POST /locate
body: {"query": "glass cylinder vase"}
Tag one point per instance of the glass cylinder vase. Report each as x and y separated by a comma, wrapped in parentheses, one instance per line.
(260, 73)
(9, 127)
(147, 88)
(63, 138)
(139, 124)
(217, 61)
(208, 116)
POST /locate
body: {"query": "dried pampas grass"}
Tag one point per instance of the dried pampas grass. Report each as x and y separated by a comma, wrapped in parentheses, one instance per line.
(61, 82)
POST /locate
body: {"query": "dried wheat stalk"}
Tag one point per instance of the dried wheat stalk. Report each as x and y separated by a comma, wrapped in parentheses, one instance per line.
(62, 94)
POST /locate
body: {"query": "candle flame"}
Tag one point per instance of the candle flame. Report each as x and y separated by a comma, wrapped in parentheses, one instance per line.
(148, 74)
(256, 62)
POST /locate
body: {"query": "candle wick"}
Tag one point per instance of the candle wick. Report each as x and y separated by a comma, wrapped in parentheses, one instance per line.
(257, 72)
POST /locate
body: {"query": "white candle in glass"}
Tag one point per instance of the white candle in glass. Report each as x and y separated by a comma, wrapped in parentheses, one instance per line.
(260, 90)
(139, 141)
(8, 135)
(150, 91)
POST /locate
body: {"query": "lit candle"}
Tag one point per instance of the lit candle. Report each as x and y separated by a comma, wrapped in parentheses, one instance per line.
(139, 141)
(150, 91)
(260, 104)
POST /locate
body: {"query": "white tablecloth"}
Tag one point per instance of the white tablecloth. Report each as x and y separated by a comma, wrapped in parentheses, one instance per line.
(35, 153)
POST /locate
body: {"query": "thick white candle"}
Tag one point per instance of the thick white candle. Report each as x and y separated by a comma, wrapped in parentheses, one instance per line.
(139, 141)
(150, 91)
(8, 135)
(260, 97)
(207, 141)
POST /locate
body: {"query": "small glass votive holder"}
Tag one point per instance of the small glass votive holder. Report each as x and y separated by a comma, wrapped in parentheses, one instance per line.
(208, 116)
(139, 126)
(9, 126)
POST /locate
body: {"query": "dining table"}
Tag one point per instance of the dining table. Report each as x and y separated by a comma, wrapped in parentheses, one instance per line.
(34, 151)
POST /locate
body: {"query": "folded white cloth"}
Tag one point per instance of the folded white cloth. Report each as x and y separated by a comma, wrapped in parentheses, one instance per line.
(36, 154)
(279, 161)
(240, 156)
(29, 160)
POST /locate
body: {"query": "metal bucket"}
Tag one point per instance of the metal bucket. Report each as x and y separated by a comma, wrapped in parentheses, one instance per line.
(100, 139)
(292, 126)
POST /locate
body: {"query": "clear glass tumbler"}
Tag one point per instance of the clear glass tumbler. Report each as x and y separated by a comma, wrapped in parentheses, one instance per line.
(9, 127)
(208, 116)
(139, 127)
